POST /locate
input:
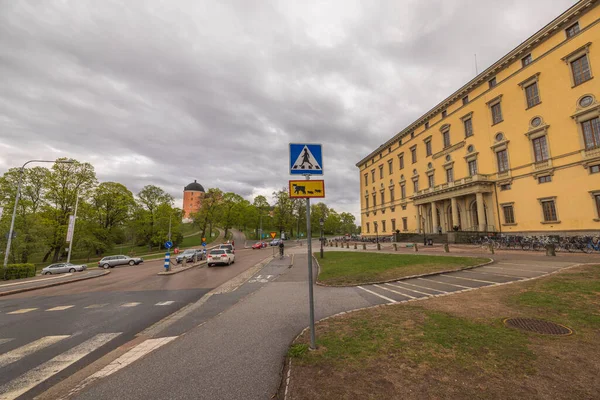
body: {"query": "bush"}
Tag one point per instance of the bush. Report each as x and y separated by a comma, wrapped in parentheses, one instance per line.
(16, 271)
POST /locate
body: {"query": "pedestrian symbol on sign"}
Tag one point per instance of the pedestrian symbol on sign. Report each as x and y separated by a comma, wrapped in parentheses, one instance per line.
(306, 160)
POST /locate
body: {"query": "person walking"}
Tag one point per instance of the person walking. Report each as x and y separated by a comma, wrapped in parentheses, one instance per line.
(281, 249)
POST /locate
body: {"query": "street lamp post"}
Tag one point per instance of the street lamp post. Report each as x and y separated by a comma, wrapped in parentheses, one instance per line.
(321, 222)
(12, 222)
(376, 233)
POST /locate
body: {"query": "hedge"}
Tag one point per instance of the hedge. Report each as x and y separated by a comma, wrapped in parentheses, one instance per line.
(16, 271)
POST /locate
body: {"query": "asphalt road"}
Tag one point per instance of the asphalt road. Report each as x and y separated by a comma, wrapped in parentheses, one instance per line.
(48, 334)
(23, 284)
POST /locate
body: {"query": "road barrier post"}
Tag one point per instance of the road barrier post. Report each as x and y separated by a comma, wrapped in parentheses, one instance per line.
(167, 261)
(395, 247)
(364, 246)
(416, 248)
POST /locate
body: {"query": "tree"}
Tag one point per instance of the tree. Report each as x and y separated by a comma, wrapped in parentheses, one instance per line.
(209, 210)
(283, 209)
(230, 210)
(153, 202)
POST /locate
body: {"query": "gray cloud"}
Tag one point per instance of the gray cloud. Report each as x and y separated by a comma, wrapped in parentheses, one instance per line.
(168, 92)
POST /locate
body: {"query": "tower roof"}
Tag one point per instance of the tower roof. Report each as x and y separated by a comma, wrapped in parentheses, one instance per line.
(194, 186)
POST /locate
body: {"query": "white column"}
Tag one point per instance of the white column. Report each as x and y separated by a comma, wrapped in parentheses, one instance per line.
(481, 212)
(454, 206)
(434, 218)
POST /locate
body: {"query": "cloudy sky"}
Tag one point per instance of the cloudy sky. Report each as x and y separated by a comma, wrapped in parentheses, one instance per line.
(165, 92)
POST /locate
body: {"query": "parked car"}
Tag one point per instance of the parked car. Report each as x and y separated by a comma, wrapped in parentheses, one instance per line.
(189, 255)
(220, 256)
(227, 246)
(259, 245)
(61, 268)
(113, 261)
(275, 242)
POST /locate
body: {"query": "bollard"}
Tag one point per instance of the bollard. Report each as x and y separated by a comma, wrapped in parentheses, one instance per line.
(354, 246)
(550, 250)
(364, 246)
(446, 248)
(416, 247)
(491, 248)
(378, 246)
(348, 245)
(195, 259)
(395, 247)
(336, 244)
(184, 262)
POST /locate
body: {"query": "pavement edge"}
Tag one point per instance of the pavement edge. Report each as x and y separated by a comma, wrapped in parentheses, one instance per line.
(22, 290)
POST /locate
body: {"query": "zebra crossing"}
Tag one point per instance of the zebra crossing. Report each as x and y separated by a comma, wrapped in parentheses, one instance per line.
(53, 358)
(453, 282)
(89, 307)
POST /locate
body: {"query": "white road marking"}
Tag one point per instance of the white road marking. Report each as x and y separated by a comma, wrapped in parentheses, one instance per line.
(34, 377)
(35, 280)
(470, 279)
(133, 304)
(517, 269)
(528, 265)
(24, 351)
(444, 283)
(378, 295)
(495, 274)
(395, 291)
(423, 287)
(22, 311)
(97, 305)
(165, 303)
(2, 341)
(410, 290)
(59, 308)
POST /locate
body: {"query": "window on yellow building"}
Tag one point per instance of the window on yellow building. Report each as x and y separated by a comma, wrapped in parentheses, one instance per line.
(401, 161)
(393, 225)
(428, 148)
(492, 82)
(430, 181)
(597, 199)
(368, 228)
(594, 169)
(366, 179)
(404, 224)
(509, 214)
(374, 200)
(366, 201)
(465, 100)
(540, 148)
(545, 179)
(390, 166)
(525, 61)
(444, 114)
(416, 185)
(427, 125)
(532, 94)
(496, 114)
(392, 195)
(382, 226)
(468, 123)
(403, 191)
(381, 172)
(591, 133)
(382, 197)
(572, 30)
(413, 154)
(450, 175)
(580, 68)
(373, 175)
(502, 158)
(446, 137)
(549, 210)
(506, 186)
(472, 167)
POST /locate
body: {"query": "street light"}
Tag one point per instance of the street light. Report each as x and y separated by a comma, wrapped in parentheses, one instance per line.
(376, 234)
(321, 222)
(12, 222)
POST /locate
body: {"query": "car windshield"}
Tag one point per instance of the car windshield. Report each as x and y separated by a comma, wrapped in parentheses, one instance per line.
(189, 252)
(217, 252)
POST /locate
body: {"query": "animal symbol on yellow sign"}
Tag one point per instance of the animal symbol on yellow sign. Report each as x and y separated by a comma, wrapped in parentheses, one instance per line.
(273, 234)
(302, 189)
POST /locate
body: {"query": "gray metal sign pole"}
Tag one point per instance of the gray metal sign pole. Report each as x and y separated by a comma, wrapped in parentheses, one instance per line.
(310, 276)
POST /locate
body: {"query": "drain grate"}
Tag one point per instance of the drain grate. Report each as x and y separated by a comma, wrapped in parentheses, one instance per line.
(537, 326)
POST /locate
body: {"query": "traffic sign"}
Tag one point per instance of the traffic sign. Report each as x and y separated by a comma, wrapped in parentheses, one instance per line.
(204, 239)
(303, 189)
(169, 244)
(306, 159)
(273, 234)
(203, 244)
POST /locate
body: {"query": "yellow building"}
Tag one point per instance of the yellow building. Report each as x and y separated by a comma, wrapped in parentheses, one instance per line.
(515, 150)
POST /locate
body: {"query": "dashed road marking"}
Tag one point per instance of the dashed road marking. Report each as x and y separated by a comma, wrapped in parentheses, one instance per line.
(470, 279)
(133, 304)
(165, 303)
(422, 287)
(96, 306)
(495, 274)
(445, 283)
(23, 351)
(395, 284)
(34, 377)
(377, 294)
(516, 269)
(59, 308)
(395, 291)
(22, 311)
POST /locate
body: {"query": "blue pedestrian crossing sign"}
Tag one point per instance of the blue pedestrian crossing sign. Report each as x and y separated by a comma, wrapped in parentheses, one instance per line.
(306, 159)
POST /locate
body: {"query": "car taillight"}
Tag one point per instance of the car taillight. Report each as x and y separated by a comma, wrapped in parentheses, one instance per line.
(223, 255)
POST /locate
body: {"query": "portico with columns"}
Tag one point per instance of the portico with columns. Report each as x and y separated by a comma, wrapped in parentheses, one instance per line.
(467, 204)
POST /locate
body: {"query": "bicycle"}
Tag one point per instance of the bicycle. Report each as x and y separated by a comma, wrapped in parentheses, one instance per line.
(281, 253)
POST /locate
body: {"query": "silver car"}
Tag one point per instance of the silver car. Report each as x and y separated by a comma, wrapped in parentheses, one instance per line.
(61, 268)
(113, 261)
(189, 255)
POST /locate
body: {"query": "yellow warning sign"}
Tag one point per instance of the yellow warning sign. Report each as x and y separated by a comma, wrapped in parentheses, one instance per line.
(273, 234)
(303, 189)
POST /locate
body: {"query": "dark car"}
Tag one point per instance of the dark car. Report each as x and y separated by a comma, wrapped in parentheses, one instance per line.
(275, 242)
(189, 255)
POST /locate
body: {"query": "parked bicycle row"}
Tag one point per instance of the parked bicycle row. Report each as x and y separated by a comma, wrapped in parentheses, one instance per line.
(586, 244)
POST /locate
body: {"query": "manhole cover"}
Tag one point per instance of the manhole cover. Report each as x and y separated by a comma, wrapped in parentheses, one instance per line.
(537, 326)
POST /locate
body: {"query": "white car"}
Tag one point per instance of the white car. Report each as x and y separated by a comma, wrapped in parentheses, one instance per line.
(220, 256)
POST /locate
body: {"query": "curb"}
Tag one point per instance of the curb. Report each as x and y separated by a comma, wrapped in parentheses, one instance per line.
(286, 382)
(411, 276)
(51, 284)
(178, 270)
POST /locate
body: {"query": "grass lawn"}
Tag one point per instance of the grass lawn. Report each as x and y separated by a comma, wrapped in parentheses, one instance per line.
(456, 347)
(353, 268)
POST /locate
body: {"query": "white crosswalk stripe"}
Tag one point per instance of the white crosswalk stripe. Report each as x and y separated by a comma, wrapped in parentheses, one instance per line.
(59, 308)
(5, 340)
(35, 376)
(24, 351)
(133, 304)
(22, 311)
(165, 303)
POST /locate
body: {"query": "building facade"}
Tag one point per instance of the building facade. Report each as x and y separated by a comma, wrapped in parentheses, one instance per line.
(192, 199)
(515, 150)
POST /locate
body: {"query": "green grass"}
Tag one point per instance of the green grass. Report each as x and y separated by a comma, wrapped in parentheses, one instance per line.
(352, 268)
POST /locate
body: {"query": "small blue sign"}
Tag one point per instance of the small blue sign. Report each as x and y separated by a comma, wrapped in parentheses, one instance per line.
(169, 244)
(203, 244)
(306, 159)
